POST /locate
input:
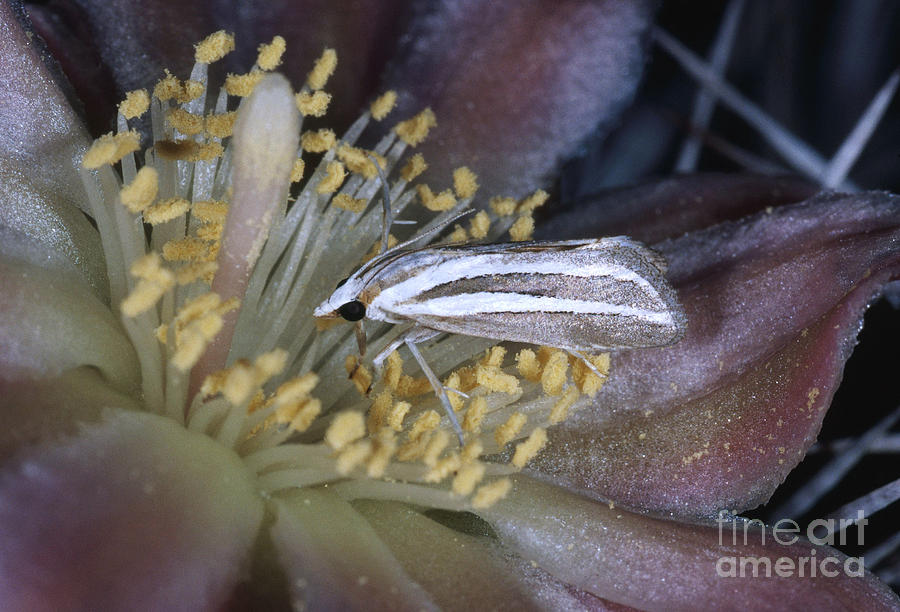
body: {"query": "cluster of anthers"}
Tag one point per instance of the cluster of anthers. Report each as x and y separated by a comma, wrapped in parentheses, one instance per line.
(236, 257)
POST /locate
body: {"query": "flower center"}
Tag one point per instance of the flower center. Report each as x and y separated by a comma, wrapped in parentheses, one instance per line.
(219, 249)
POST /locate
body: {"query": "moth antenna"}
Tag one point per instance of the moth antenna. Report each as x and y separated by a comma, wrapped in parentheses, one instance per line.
(385, 203)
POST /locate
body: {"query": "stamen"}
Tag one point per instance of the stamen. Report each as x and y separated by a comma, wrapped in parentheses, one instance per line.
(140, 192)
(317, 142)
(323, 69)
(270, 55)
(527, 450)
(436, 203)
(413, 168)
(214, 47)
(413, 131)
(503, 207)
(109, 149)
(489, 494)
(383, 105)
(522, 229)
(135, 104)
(313, 104)
(465, 183)
(346, 427)
(510, 429)
(334, 178)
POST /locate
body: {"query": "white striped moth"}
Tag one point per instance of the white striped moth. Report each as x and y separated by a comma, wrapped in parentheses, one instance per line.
(576, 295)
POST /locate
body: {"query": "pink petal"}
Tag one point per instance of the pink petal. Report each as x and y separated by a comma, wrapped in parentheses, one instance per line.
(516, 86)
(41, 141)
(658, 564)
(774, 303)
(133, 513)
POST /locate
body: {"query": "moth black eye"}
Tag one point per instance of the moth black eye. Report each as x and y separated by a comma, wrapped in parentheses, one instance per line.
(342, 282)
(353, 311)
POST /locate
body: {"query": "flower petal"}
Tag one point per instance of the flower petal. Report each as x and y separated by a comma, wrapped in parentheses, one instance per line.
(41, 141)
(334, 560)
(50, 323)
(652, 563)
(516, 86)
(133, 513)
(774, 303)
(464, 571)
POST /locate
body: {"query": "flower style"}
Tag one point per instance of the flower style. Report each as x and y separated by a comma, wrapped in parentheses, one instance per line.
(145, 468)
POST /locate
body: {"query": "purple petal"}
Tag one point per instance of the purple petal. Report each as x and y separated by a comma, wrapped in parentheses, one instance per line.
(516, 86)
(133, 513)
(774, 303)
(652, 563)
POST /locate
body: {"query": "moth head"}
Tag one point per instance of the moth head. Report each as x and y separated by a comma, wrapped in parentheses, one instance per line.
(344, 302)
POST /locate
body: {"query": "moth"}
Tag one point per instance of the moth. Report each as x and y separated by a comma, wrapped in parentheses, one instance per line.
(582, 296)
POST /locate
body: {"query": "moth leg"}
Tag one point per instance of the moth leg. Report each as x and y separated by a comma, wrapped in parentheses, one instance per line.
(412, 333)
(439, 389)
(586, 362)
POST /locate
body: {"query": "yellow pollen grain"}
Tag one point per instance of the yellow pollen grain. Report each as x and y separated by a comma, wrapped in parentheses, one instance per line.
(213, 211)
(396, 415)
(436, 445)
(489, 494)
(221, 125)
(322, 70)
(414, 130)
(191, 90)
(535, 200)
(192, 344)
(475, 415)
(318, 141)
(155, 281)
(141, 191)
(465, 183)
(213, 383)
(527, 450)
(352, 456)
(503, 207)
(270, 55)
(189, 351)
(135, 104)
(453, 382)
(188, 150)
(492, 379)
(162, 333)
(554, 375)
(167, 88)
(214, 47)
(198, 306)
(436, 203)
(210, 232)
(109, 148)
(414, 448)
(312, 104)
(424, 423)
(358, 373)
(528, 365)
(346, 202)
(385, 447)
(393, 369)
(357, 160)
(480, 225)
(306, 415)
(560, 409)
(383, 105)
(334, 178)
(192, 272)
(297, 170)
(471, 451)
(185, 249)
(242, 85)
(409, 386)
(346, 427)
(270, 364)
(459, 234)
(239, 383)
(522, 229)
(494, 356)
(165, 211)
(588, 382)
(296, 388)
(185, 122)
(413, 168)
(443, 468)
(468, 477)
(510, 429)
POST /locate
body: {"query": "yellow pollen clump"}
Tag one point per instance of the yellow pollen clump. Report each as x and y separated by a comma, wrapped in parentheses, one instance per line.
(436, 445)
(465, 183)
(357, 160)
(467, 478)
(436, 203)
(185, 122)
(480, 225)
(475, 415)
(493, 379)
(108, 149)
(135, 104)
(185, 249)
(459, 234)
(471, 451)
(527, 450)
(383, 105)
(188, 150)
(346, 202)
(494, 356)
(214, 47)
(522, 229)
(560, 409)
(213, 211)
(528, 365)
(347, 427)
(313, 104)
(396, 415)
(239, 382)
(296, 389)
(555, 372)
(385, 447)
(535, 200)
(443, 468)
(164, 211)
(587, 380)
(334, 178)
(510, 429)
(307, 414)
(221, 125)
(323, 69)
(154, 282)
(297, 170)
(192, 272)
(352, 455)
(413, 131)
(141, 191)
(359, 374)
(317, 142)
(413, 168)
(242, 85)
(424, 423)
(489, 494)
(503, 207)
(453, 382)
(378, 411)
(270, 55)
